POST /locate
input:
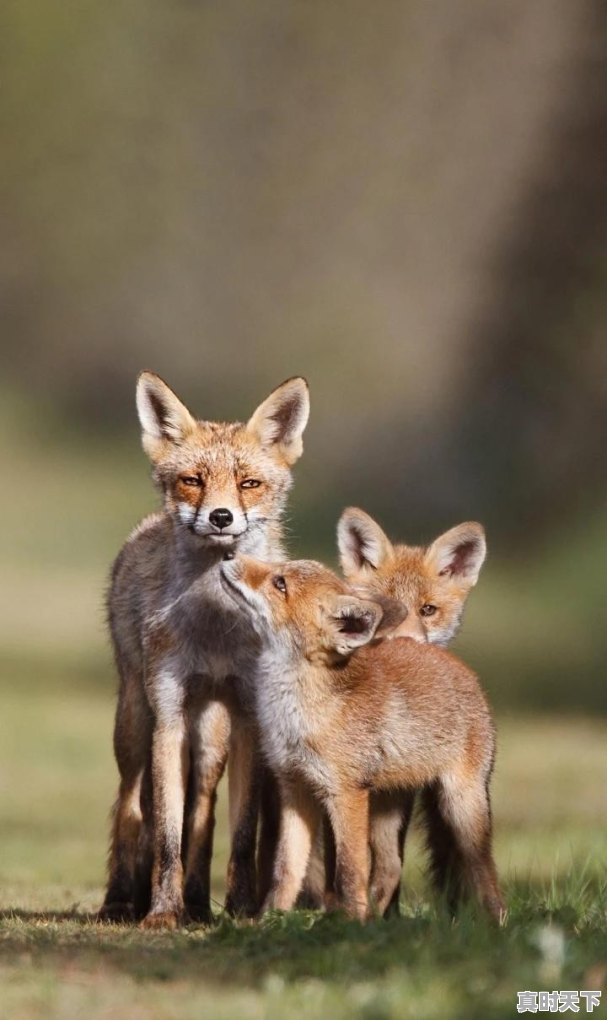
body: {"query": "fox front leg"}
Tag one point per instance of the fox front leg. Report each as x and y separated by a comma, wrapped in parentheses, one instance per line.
(349, 816)
(169, 780)
(169, 774)
(299, 817)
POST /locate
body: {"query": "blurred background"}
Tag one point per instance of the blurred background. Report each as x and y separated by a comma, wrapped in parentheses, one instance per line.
(407, 204)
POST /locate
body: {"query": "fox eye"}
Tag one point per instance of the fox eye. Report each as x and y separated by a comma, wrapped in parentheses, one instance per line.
(280, 584)
(428, 609)
(194, 480)
(250, 483)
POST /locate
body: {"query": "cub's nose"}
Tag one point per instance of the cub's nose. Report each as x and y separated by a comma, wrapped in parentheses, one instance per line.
(221, 518)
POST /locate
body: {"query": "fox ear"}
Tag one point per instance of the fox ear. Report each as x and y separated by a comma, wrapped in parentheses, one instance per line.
(361, 542)
(459, 553)
(280, 421)
(161, 413)
(394, 613)
(354, 622)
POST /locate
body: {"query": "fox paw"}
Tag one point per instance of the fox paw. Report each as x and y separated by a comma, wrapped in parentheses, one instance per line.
(162, 920)
(241, 907)
(116, 913)
(198, 913)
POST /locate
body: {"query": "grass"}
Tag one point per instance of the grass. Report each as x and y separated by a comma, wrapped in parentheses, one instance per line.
(58, 781)
(297, 965)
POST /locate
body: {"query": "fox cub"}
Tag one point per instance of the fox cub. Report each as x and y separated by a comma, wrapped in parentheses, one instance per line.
(186, 654)
(433, 584)
(340, 716)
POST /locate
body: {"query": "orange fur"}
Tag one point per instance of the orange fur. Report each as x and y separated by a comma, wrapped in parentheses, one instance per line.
(340, 715)
(433, 584)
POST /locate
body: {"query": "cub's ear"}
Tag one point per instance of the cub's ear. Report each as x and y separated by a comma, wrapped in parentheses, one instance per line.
(394, 613)
(459, 553)
(280, 421)
(353, 622)
(361, 542)
(161, 413)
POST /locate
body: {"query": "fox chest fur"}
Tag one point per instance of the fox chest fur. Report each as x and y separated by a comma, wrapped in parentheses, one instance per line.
(176, 627)
(224, 487)
(288, 729)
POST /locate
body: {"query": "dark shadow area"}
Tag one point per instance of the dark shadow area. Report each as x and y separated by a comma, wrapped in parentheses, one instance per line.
(524, 446)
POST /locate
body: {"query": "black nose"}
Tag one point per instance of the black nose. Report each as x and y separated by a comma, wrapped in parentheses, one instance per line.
(221, 518)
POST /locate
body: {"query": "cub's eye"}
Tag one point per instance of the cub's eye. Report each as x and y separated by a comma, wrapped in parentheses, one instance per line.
(250, 483)
(428, 609)
(194, 480)
(280, 583)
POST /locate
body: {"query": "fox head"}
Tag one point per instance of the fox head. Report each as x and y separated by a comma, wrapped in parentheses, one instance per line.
(433, 582)
(305, 609)
(222, 481)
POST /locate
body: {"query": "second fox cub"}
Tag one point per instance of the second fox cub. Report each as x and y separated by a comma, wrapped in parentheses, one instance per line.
(340, 716)
(433, 584)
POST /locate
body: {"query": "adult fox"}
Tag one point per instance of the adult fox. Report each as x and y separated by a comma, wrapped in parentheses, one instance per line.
(339, 717)
(186, 654)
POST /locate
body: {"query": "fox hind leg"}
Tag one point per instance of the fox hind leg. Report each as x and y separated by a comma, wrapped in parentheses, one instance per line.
(458, 814)
(209, 737)
(132, 742)
(389, 821)
(244, 788)
(145, 848)
(446, 868)
(269, 832)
